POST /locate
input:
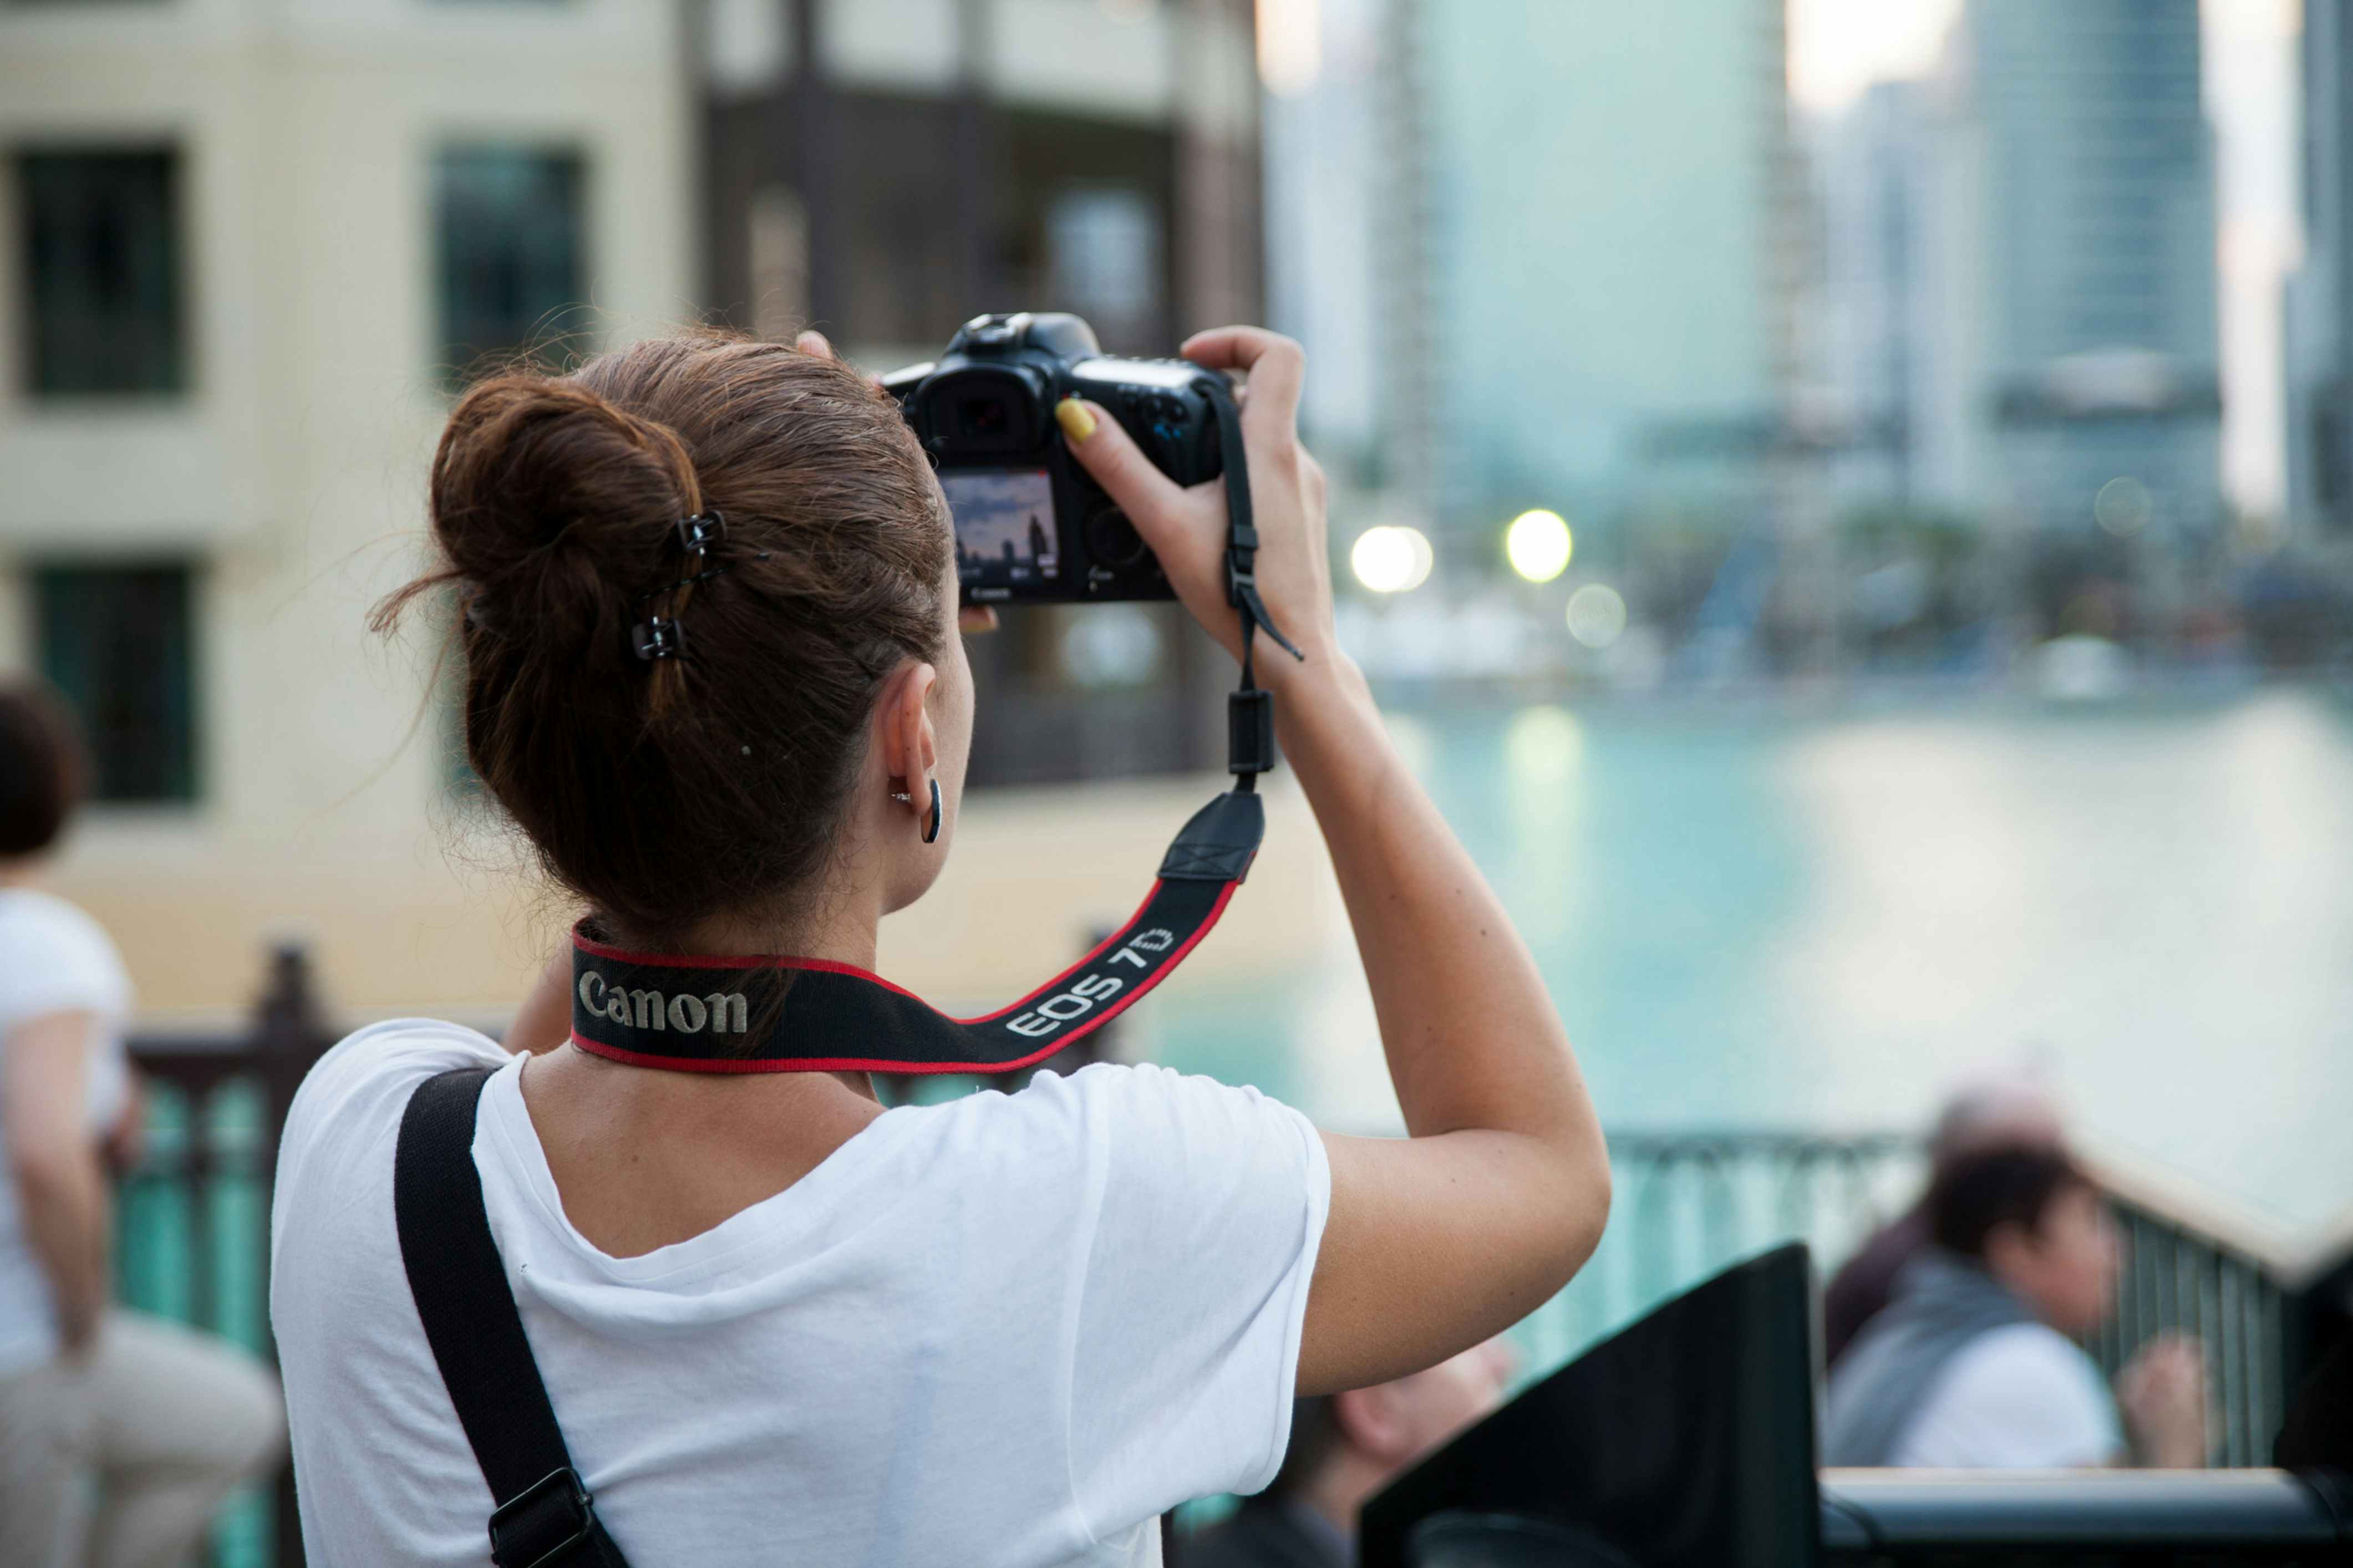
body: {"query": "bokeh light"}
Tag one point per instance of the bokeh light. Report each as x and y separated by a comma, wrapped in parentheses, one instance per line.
(1597, 614)
(1111, 645)
(1391, 559)
(1538, 545)
(1289, 45)
(2122, 507)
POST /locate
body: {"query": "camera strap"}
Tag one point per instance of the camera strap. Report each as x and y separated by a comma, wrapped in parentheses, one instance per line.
(709, 1014)
(737, 1014)
(1249, 710)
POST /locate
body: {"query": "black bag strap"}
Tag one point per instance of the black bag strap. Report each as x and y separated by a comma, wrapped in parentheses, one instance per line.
(544, 1516)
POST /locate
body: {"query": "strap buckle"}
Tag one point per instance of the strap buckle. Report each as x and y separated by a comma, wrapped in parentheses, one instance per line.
(1242, 577)
(540, 1526)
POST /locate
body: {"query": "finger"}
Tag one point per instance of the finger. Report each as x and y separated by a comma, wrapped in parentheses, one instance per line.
(813, 343)
(1277, 366)
(1126, 475)
(976, 619)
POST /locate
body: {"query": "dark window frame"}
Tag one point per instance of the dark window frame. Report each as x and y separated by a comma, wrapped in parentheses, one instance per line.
(561, 328)
(160, 371)
(146, 746)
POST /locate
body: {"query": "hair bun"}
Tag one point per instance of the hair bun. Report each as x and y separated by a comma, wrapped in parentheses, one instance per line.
(553, 504)
(661, 792)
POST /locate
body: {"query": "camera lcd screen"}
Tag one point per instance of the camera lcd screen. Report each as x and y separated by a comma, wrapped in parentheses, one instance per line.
(1003, 524)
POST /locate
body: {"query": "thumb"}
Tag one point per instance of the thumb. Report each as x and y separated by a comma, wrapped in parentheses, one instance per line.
(1151, 500)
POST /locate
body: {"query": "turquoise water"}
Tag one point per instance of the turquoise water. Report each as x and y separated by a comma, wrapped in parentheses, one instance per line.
(1818, 918)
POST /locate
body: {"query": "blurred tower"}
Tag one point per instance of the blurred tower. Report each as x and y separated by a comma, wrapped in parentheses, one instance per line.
(1589, 256)
(2071, 264)
(1872, 166)
(2319, 335)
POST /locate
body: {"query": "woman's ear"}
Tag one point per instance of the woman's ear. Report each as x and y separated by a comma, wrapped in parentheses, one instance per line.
(910, 748)
(1372, 1422)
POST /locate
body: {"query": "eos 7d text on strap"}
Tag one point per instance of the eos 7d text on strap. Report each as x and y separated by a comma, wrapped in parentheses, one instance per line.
(732, 1013)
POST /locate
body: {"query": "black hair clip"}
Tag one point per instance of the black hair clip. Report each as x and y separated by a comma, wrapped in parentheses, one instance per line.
(701, 530)
(659, 637)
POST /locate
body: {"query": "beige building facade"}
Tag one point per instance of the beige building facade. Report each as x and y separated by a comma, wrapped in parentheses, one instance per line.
(249, 244)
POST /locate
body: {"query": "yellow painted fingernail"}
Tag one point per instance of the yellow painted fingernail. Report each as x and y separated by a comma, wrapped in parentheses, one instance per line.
(1076, 422)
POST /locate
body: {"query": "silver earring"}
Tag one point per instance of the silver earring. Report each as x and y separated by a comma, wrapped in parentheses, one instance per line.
(901, 797)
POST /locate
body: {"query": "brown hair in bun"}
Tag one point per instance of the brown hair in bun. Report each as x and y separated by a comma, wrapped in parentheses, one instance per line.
(665, 791)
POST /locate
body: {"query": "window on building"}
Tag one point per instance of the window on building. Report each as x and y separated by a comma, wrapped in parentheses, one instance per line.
(118, 641)
(511, 240)
(103, 307)
(1103, 259)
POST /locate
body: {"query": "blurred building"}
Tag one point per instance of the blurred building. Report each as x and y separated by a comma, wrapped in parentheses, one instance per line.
(250, 246)
(2319, 335)
(1329, 144)
(1867, 328)
(886, 169)
(2070, 363)
(1589, 255)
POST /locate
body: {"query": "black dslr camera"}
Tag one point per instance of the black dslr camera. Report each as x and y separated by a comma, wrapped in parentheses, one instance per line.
(1031, 525)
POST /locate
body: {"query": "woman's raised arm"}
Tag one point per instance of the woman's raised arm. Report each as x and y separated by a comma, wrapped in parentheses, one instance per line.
(1498, 1195)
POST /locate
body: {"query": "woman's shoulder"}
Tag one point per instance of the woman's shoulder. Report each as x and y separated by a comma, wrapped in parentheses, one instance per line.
(371, 1072)
(1132, 1097)
(1124, 1125)
(55, 957)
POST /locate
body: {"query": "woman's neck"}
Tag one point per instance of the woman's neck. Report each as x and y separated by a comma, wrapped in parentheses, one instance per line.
(840, 925)
(23, 872)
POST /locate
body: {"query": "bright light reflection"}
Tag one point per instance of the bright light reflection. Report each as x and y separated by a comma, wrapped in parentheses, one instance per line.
(1538, 545)
(1543, 746)
(1597, 614)
(1391, 560)
(1289, 45)
(2122, 507)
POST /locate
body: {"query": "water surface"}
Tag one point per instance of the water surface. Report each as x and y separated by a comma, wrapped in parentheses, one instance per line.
(1763, 917)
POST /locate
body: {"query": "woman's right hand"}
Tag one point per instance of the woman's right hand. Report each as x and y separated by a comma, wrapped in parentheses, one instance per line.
(1187, 527)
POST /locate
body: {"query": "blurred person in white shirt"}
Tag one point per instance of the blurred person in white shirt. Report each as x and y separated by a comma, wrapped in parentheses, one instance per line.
(1975, 1363)
(120, 1434)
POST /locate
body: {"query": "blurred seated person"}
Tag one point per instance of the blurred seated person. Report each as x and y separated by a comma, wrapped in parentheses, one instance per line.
(1974, 1364)
(1995, 1111)
(1344, 1448)
(120, 1434)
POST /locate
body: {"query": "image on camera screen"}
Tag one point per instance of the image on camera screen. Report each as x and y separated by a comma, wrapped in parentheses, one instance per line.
(1003, 524)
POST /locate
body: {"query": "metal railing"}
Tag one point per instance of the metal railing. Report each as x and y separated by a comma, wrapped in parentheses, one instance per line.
(193, 1222)
(2179, 1280)
(1686, 1203)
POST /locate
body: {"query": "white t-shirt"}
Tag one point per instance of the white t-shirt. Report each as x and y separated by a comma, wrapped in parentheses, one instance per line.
(53, 959)
(2024, 1397)
(1004, 1330)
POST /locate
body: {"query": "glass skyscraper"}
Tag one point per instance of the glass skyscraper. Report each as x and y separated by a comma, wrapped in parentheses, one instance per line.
(2072, 254)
